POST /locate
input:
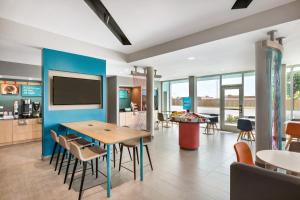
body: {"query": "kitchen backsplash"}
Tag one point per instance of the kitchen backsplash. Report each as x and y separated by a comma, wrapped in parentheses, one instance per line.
(7, 100)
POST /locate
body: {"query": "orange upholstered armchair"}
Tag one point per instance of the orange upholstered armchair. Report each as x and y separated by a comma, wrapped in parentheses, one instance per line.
(293, 131)
(243, 153)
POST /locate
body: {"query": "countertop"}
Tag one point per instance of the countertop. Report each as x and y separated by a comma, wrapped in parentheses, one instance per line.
(2, 118)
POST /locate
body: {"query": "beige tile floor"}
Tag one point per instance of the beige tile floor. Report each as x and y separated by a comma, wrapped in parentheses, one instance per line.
(178, 174)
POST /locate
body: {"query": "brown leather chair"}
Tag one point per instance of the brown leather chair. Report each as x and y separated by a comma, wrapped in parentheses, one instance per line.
(243, 153)
(293, 131)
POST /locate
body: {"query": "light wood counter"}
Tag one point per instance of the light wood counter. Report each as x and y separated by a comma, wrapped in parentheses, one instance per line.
(14, 131)
(6, 136)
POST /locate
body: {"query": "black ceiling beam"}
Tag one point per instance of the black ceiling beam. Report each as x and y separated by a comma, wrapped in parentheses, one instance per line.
(100, 10)
(241, 4)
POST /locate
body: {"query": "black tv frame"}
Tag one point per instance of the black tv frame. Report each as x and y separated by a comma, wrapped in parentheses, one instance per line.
(101, 92)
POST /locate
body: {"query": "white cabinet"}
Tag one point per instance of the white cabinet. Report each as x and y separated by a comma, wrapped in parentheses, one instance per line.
(135, 120)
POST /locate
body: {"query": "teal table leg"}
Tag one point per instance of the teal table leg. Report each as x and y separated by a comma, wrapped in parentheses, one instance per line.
(108, 171)
(141, 159)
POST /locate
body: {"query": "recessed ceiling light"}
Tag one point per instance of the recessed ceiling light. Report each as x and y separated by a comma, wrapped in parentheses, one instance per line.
(191, 58)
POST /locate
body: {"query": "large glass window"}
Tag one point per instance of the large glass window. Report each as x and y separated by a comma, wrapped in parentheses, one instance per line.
(179, 89)
(296, 93)
(166, 96)
(289, 88)
(249, 94)
(208, 95)
(231, 79)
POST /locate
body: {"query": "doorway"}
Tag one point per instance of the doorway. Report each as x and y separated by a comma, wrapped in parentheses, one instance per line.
(231, 106)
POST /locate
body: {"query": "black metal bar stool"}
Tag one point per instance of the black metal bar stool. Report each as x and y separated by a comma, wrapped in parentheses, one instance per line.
(114, 153)
(55, 138)
(85, 155)
(63, 142)
(134, 145)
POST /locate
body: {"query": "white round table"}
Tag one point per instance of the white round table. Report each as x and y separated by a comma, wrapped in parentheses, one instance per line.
(282, 159)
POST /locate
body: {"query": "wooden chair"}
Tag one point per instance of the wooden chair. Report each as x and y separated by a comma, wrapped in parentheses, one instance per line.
(245, 127)
(293, 131)
(243, 153)
(84, 155)
(161, 120)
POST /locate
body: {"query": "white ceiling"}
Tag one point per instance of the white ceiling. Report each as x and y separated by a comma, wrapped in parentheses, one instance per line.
(222, 56)
(14, 52)
(232, 54)
(146, 23)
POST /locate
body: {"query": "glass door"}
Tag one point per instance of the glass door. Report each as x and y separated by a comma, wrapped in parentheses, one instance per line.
(231, 106)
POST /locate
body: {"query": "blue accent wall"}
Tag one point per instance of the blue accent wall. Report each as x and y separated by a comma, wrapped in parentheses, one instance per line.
(67, 62)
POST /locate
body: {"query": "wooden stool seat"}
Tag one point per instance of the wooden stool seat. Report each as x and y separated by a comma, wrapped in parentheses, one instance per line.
(136, 142)
(82, 142)
(63, 141)
(131, 143)
(71, 137)
(91, 153)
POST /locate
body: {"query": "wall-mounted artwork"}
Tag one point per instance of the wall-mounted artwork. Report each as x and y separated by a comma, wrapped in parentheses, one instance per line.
(9, 89)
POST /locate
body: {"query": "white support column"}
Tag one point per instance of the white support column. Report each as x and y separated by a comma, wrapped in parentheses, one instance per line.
(263, 129)
(150, 99)
(264, 95)
(193, 92)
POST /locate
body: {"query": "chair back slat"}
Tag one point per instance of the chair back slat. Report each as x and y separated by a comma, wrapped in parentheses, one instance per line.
(63, 142)
(54, 136)
(293, 129)
(75, 150)
(160, 117)
(244, 125)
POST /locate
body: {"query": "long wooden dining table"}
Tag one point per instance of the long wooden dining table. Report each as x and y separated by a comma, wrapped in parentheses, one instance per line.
(109, 134)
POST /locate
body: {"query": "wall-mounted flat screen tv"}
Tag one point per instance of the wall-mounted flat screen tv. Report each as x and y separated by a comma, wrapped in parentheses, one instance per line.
(76, 91)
